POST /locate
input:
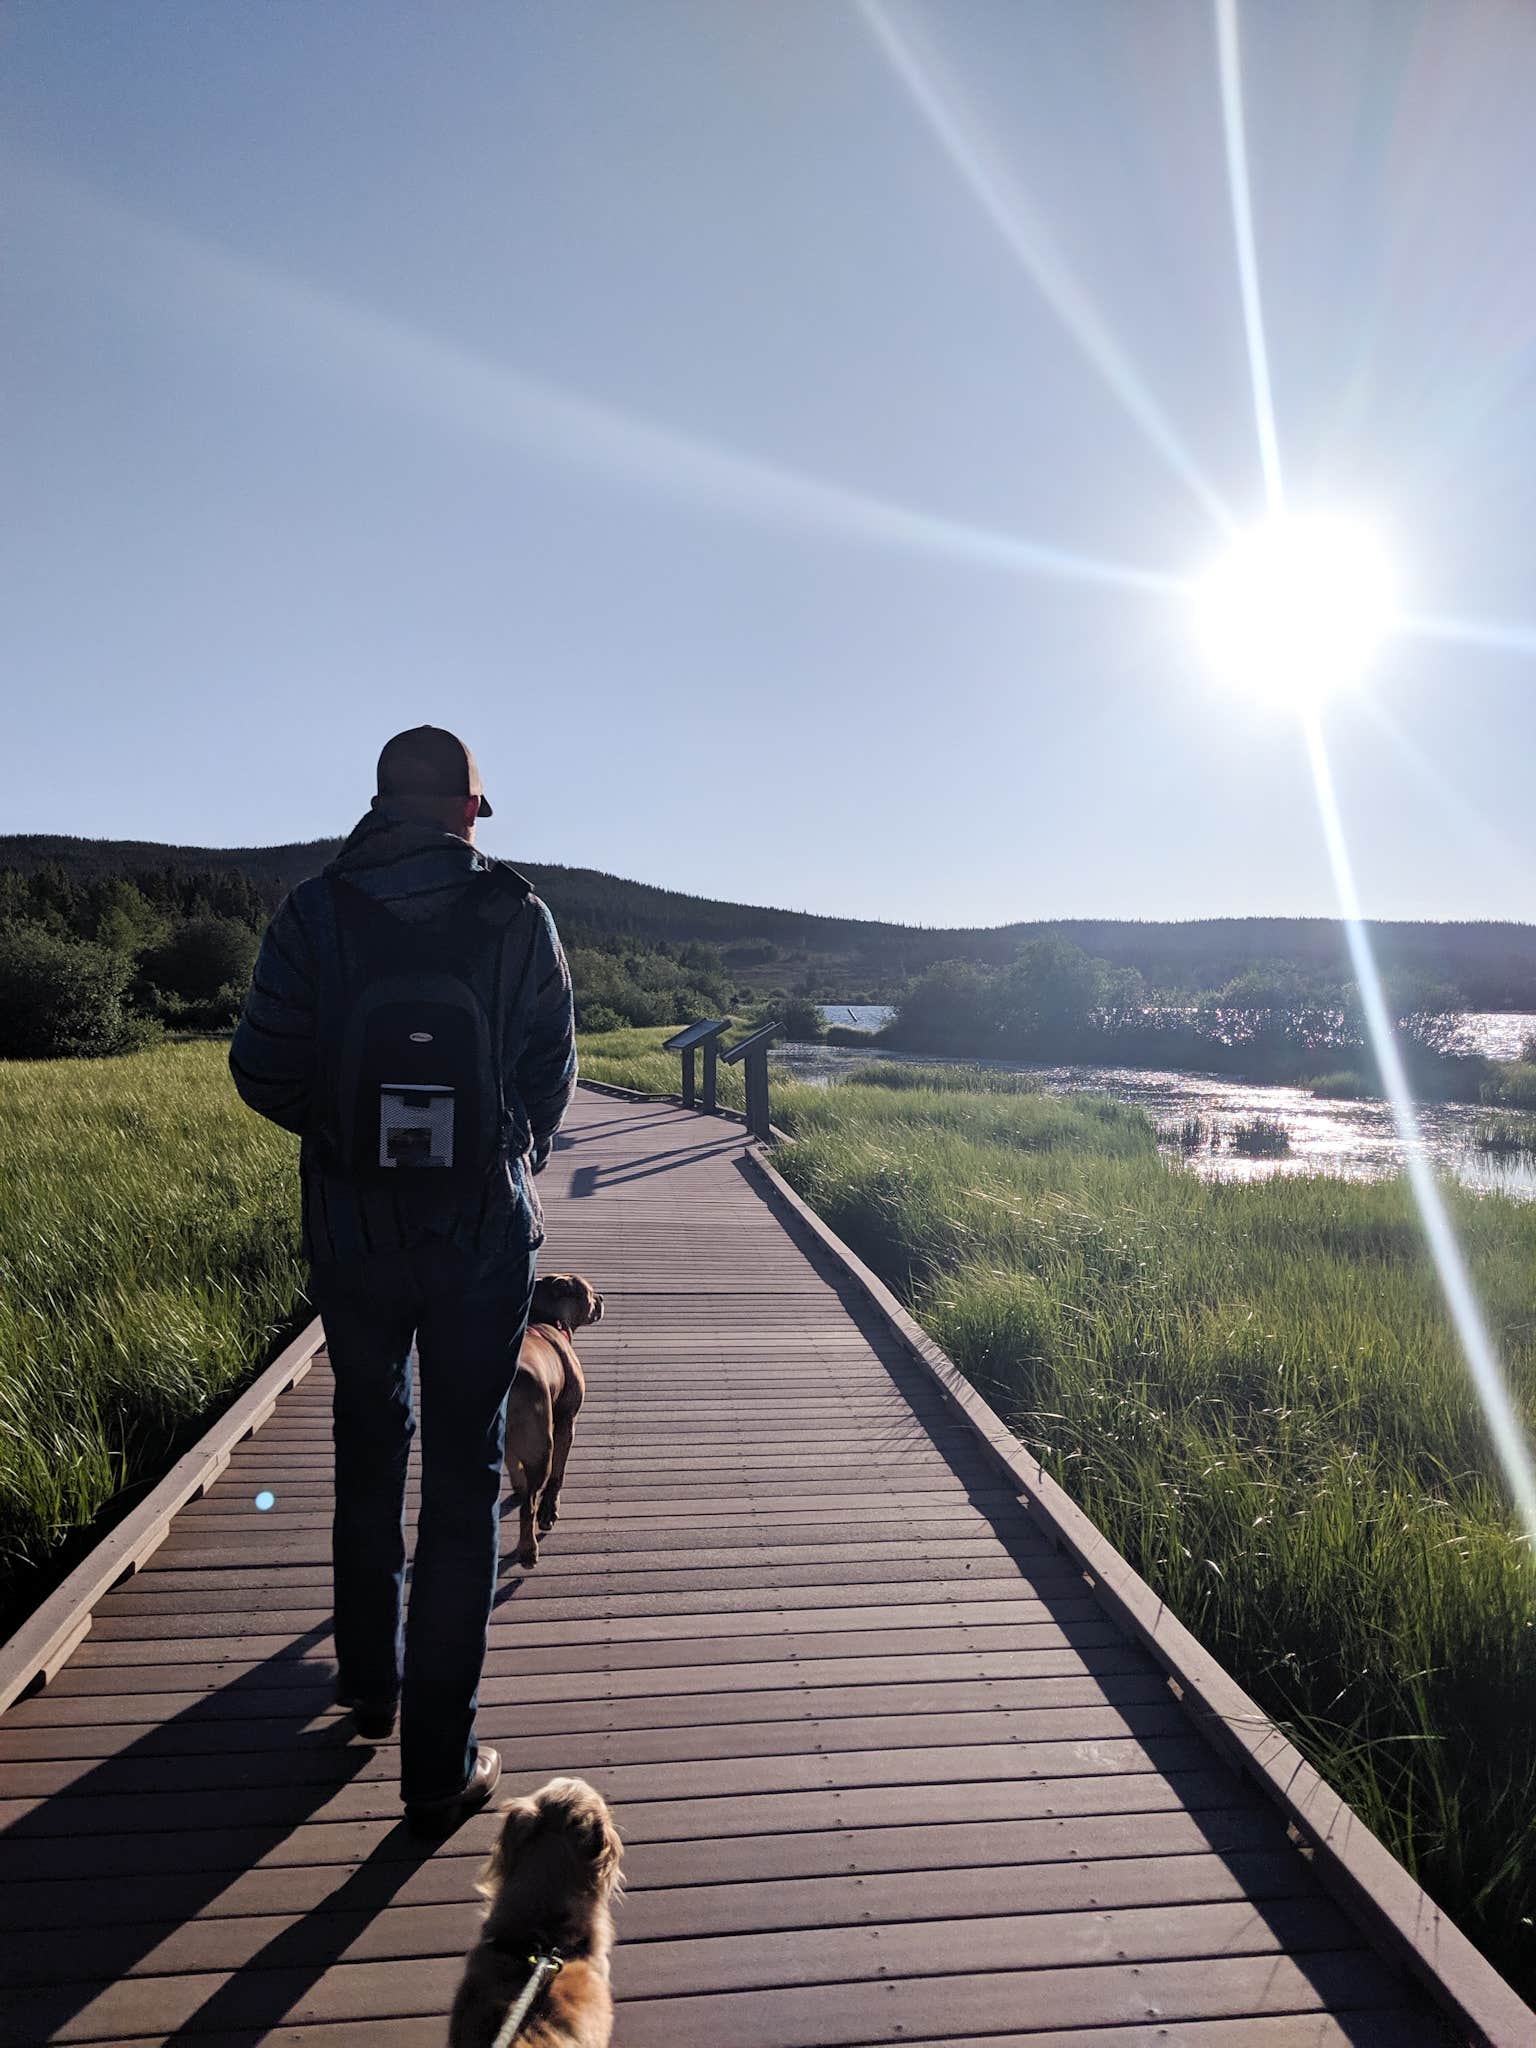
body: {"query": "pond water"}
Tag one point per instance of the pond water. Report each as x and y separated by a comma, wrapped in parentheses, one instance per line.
(1497, 1034)
(1357, 1140)
(858, 1016)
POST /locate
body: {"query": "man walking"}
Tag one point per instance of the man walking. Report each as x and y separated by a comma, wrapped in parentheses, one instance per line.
(410, 1016)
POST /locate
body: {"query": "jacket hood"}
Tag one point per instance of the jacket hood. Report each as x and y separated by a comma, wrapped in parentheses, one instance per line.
(417, 870)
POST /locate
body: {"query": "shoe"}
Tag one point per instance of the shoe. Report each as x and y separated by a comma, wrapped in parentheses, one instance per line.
(439, 1817)
(374, 1724)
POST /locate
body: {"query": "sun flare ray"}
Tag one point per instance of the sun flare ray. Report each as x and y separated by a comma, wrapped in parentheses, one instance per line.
(1504, 1427)
(1011, 212)
(1235, 132)
(333, 337)
(1298, 615)
(1499, 636)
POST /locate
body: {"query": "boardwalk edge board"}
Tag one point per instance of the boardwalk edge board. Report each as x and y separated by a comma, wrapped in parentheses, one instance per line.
(43, 1643)
(1373, 1887)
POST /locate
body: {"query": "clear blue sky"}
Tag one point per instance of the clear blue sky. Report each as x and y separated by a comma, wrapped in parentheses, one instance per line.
(657, 392)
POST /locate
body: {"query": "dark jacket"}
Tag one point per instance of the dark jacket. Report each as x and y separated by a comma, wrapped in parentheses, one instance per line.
(418, 872)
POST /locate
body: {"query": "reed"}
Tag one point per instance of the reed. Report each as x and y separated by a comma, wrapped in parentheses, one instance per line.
(1260, 1137)
(149, 1263)
(1506, 1137)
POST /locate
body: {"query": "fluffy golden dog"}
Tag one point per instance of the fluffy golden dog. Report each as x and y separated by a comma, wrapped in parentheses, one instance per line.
(549, 1885)
(546, 1397)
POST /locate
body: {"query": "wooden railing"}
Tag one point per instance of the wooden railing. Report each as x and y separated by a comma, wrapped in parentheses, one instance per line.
(751, 1055)
(706, 1036)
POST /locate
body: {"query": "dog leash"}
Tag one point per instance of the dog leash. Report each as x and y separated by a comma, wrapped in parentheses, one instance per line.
(543, 1968)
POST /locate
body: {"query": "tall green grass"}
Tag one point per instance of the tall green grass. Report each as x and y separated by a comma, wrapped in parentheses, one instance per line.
(148, 1259)
(959, 1078)
(1255, 1391)
(1513, 1084)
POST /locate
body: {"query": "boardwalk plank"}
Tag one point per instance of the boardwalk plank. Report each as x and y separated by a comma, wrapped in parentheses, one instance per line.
(924, 1715)
(1054, 1850)
(417, 1923)
(816, 2015)
(1394, 2028)
(734, 1830)
(365, 1796)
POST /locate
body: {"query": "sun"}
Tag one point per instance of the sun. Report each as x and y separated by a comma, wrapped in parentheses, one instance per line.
(1297, 607)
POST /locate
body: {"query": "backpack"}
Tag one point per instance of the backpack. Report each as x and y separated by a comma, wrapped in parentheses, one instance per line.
(416, 1047)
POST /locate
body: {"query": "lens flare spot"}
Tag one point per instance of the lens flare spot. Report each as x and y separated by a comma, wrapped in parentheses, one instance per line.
(266, 1501)
(1297, 607)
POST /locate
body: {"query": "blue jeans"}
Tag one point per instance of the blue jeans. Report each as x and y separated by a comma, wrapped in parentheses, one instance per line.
(466, 1314)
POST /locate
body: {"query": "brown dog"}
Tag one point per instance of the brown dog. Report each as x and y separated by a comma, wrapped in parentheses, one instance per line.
(546, 1397)
(549, 1883)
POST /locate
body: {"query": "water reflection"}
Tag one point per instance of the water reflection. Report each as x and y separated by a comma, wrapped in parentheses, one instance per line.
(1356, 1140)
(1496, 1034)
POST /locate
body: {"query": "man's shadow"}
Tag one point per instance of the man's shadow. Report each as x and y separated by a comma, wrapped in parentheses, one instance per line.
(85, 1900)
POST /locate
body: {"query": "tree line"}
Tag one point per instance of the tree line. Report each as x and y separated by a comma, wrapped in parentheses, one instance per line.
(94, 963)
(1055, 1003)
(104, 942)
(1488, 965)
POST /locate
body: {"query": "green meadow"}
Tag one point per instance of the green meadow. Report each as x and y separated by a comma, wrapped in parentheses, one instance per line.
(148, 1263)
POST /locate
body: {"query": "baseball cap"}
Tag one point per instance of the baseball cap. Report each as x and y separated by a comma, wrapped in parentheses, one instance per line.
(427, 761)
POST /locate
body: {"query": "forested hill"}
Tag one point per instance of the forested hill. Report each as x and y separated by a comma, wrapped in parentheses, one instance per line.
(1489, 965)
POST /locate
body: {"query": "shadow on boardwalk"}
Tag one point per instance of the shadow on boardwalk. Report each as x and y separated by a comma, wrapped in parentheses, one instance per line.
(70, 1879)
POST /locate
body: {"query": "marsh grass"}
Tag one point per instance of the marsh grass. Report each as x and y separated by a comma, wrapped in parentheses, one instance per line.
(1190, 1133)
(1261, 1137)
(1513, 1084)
(1254, 1390)
(148, 1261)
(1347, 1086)
(958, 1079)
(1506, 1136)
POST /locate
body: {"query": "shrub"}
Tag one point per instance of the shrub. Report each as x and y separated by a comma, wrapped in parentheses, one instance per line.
(63, 999)
(201, 960)
(597, 1017)
(219, 1012)
(801, 1019)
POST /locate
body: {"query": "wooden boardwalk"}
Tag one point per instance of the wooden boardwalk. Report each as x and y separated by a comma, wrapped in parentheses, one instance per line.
(886, 1769)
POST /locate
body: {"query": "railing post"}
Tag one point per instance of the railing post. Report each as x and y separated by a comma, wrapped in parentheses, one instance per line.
(703, 1034)
(758, 1119)
(752, 1054)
